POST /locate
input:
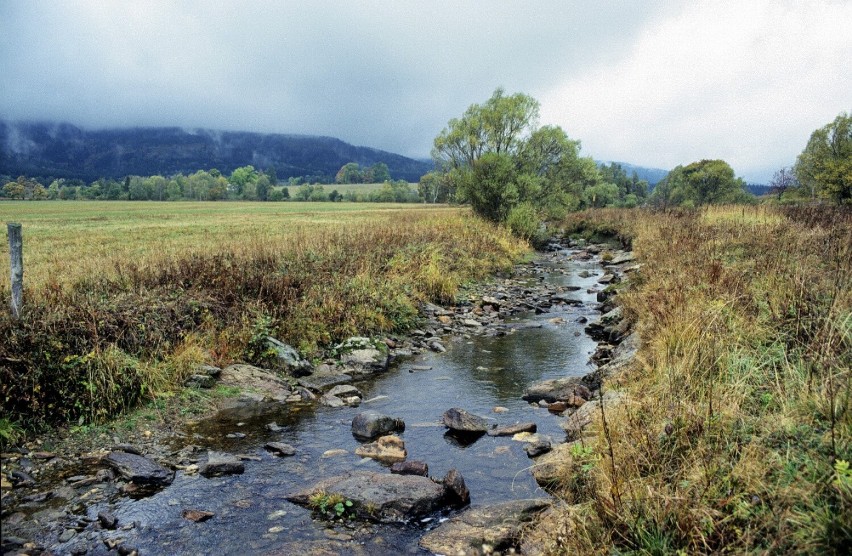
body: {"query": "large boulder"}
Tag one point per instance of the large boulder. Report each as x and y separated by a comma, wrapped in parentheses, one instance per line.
(459, 420)
(368, 425)
(553, 465)
(496, 528)
(256, 380)
(362, 356)
(139, 469)
(288, 359)
(382, 497)
(558, 389)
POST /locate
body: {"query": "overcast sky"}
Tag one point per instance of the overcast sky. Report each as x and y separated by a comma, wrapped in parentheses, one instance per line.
(649, 83)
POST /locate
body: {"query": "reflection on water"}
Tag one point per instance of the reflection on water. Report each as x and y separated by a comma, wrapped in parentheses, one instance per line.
(483, 371)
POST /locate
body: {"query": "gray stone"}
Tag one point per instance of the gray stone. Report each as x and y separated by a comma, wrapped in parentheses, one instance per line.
(575, 423)
(364, 361)
(67, 535)
(556, 389)
(606, 278)
(552, 466)
(321, 381)
(371, 424)
(512, 430)
(496, 528)
(257, 380)
(220, 463)
(457, 493)
(288, 359)
(382, 497)
(280, 449)
(139, 469)
(460, 420)
(622, 258)
(107, 520)
(437, 346)
(410, 468)
(344, 391)
(331, 401)
(208, 370)
(539, 447)
(200, 381)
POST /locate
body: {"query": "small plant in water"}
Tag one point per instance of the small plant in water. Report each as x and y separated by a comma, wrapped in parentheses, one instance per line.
(332, 505)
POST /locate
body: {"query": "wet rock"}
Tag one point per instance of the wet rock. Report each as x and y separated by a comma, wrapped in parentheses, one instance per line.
(511, 430)
(437, 346)
(288, 359)
(274, 427)
(471, 323)
(197, 516)
(107, 520)
(459, 420)
(334, 453)
(390, 448)
(139, 469)
(344, 391)
(383, 497)
(321, 381)
(331, 401)
(538, 447)
(371, 424)
(364, 361)
(67, 535)
(556, 389)
(129, 448)
(484, 529)
(219, 464)
(257, 380)
(280, 449)
(456, 491)
(410, 468)
(622, 258)
(21, 479)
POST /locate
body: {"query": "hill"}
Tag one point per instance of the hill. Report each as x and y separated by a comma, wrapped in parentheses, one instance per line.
(652, 175)
(40, 149)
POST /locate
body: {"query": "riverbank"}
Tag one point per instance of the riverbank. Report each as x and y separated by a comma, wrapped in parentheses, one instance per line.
(735, 433)
(472, 333)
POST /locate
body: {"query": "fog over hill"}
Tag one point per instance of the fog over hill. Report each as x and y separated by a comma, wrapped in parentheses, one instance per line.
(41, 149)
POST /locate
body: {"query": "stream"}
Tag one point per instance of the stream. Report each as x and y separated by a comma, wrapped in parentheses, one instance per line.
(479, 372)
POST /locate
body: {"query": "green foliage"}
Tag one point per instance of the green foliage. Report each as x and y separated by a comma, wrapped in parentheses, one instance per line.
(706, 182)
(332, 505)
(525, 223)
(825, 166)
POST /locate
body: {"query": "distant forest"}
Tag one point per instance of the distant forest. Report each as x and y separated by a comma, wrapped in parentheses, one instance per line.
(51, 151)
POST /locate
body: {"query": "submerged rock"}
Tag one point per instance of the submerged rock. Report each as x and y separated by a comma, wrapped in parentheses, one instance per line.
(371, 424)
(484, 529)
(383, 497)
(280, 449)
(139, 469)
(220, 463)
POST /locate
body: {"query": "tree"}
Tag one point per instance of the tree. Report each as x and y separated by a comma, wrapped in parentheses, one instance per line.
(349, 173)
(825, 166)
(782, 181)
(379, 173)
(700, 183)
(495, 157)
(242, 176)
(261, 187)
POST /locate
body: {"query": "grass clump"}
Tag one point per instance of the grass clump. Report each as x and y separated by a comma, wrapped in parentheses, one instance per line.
(735, 435)
(193, 283)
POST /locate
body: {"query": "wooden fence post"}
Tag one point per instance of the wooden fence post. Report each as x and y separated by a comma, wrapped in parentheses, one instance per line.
(16, 255)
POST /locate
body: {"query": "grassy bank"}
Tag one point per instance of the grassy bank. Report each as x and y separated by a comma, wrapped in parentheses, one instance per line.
(123, 299)
(736, 430)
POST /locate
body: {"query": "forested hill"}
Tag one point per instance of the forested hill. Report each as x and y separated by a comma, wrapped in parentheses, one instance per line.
(66, 151)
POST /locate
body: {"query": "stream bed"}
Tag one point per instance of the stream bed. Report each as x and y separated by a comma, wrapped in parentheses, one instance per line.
(484, 373)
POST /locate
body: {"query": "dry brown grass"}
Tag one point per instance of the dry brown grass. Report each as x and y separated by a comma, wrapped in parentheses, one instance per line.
(737, 423)
(98, 335)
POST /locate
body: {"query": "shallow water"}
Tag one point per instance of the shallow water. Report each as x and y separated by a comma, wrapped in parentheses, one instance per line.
(477, 373)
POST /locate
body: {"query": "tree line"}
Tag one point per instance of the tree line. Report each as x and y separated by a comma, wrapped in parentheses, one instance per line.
(245, 183)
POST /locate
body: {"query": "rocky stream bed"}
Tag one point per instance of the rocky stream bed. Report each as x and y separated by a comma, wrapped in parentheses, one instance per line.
(442, 441)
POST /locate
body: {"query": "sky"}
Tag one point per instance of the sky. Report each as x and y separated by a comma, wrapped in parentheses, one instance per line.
(649, 83)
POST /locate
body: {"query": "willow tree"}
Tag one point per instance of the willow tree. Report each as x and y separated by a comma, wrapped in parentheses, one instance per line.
(825, 166)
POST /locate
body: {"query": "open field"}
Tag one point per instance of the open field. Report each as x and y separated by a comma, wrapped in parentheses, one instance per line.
(121, 300)
(66, 240)
(736, 432)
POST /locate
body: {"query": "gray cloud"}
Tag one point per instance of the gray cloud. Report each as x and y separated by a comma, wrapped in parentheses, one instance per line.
(383, 74)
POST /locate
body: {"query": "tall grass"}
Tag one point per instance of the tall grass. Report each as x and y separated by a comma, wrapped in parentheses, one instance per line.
(91, 344)
(736, 430)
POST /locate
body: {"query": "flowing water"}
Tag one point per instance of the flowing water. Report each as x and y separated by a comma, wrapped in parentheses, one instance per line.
(477, 373)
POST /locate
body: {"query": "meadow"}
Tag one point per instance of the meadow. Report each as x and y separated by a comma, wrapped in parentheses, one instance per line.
(122, 299)
(736, 431)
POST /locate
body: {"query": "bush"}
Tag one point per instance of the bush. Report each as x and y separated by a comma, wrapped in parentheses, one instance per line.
(525, 223)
